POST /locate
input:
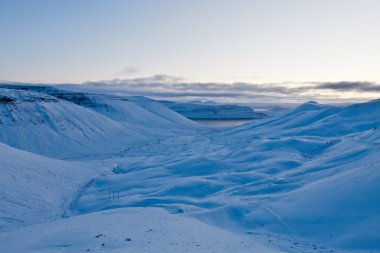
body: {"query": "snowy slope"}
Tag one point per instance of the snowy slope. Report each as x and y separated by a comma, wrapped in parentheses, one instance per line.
(46, 125)
(313, 119)
(88, 125)
(130, 230)
(332, 198)
(327, 161)
(134, 110)
(35, 188)
(130, 110)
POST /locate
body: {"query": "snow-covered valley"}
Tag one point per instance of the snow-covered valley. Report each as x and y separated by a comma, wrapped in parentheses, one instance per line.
(84, 172)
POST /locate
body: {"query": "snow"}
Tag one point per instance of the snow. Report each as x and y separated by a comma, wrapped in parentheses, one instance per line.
(129, 230)
(214, 111)
(35, 188)
(306, 180)
(64, 129)
(45, 125)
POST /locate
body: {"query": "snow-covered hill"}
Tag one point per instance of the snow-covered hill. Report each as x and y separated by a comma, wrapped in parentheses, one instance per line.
(131, 110)
(69, 124)
(128, 109)
(46, 125)
(313, 119)
(307, 180)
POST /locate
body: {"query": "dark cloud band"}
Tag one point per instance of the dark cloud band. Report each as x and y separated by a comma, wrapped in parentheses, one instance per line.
(349, 86)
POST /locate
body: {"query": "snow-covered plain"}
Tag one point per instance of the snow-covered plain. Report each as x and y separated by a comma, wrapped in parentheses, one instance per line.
(95, 172)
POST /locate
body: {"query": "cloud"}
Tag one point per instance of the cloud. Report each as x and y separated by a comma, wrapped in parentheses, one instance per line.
(149, 80)
(177, 84)
(349, 86)
(126, 71)
(176, 88)
(159, 79)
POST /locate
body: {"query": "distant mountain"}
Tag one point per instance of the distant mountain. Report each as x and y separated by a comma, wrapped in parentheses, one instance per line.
(213, 111)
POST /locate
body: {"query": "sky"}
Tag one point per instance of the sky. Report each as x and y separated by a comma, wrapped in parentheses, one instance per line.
(266, 42)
